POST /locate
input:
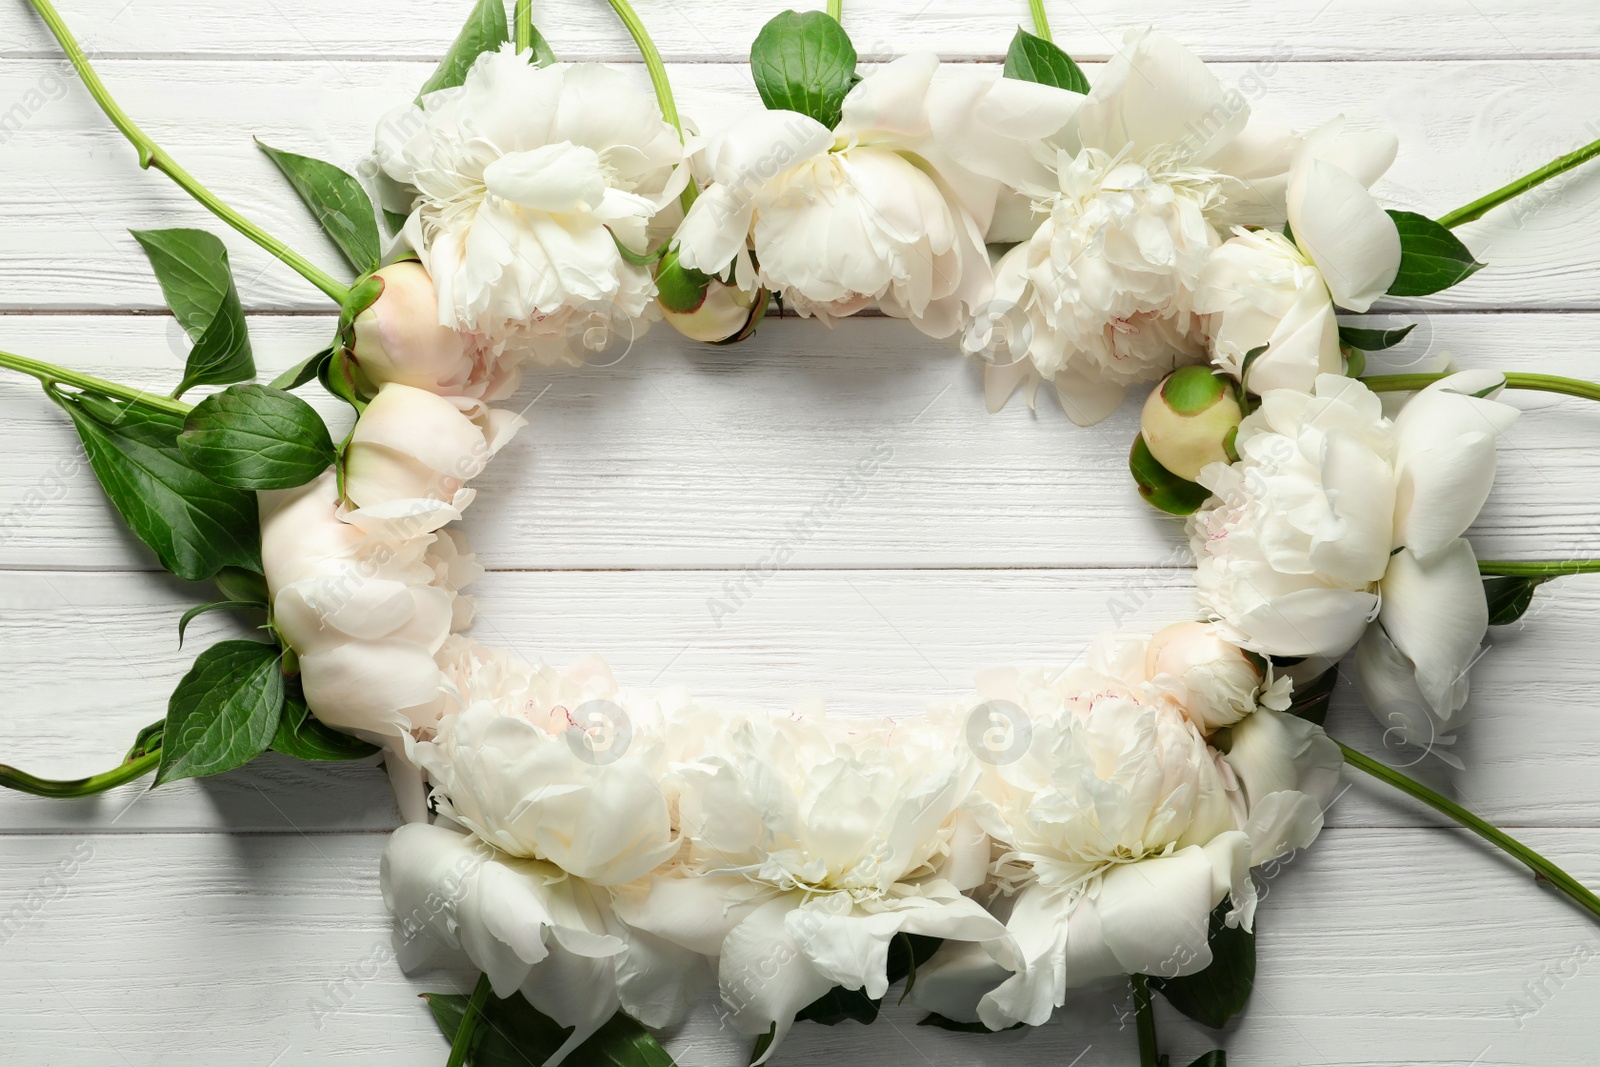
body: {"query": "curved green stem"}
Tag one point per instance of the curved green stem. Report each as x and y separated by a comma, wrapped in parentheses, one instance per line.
(658, 78)
(23, 782)
(1041, 22)
(523, 18)
(50, 374)
(1499, 838)
(469, 1023)
(1544, 383)
(1478, 207)
(1537, 568)
(1144, 1020)
(836, 9)
(152, 155)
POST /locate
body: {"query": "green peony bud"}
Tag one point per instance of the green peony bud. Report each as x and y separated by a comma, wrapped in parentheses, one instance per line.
(1160, 487)
(1190, 419)
(705, 308)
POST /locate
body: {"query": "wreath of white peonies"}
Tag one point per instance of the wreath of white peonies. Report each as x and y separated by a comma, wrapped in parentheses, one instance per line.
(604, 855)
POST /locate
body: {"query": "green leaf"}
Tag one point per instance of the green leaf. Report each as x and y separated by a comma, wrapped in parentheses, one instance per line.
(512, 1033)
(1160, 487)
(1310, 701)
(1215, 1058)
(147, 741)
(1509, 596)
(935, 1019)
(804, 62)
(1374, 340)
(341, 206)
(1034, 59)
(394, 220)
(906, 953)
(1432, 258)
(304, 371)
(485, 31)
(242, 586)
(303, 736)
(195, 526)
(256, 437)
(215, 605)
(192, 267)
(1219, 992)
(224, 712)
(542, 54)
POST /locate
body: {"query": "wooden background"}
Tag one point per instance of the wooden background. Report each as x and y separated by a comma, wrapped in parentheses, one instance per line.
(238, 919)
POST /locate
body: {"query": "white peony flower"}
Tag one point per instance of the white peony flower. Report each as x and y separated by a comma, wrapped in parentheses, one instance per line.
(809, 845)
(1268, 292)
(526, 179)
(1132, 194)
(838, 220)
(1214, 682)
(1122, 830)
(1335, 515)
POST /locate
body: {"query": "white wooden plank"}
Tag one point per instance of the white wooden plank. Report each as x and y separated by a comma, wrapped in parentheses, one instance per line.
(1376, 947)
(1089, 29)
(692, 456)
(91, 658)
(73, 189)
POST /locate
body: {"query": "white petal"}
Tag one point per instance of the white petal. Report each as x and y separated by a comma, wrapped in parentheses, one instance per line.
(1350, 238)
(1388, 683)
(1441, 492)
(1309, 622)
(1155, 914)
(1436, 615)
(764, 977)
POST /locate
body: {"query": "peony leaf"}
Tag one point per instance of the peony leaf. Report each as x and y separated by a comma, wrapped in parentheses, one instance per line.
(485, 31)
(1215, 1058)
(805, 63)
(543, 55)
(192, 267)
(935, 1019)
(512, 1033)
(1509, 597)
(195, 526)
(223, 713)
(1218, 993)
(256, 437)
(342, 207)
(1432, 258)
(1374, 340)
(203, 609)
(146, 741)
(1034, 59)
(1160, 487)
(303, 736)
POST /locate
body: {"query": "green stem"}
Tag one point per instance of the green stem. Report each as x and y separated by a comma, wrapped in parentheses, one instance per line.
(1478, 207)
(1041, 22)
(524, 24)
(836, 10)
(658, 79)
(152, 155)
(1537, 568)
(1144, 1020)
(23, 782)
(1522, 853)
(1544, 383)
(469, 1023)
(50, 374)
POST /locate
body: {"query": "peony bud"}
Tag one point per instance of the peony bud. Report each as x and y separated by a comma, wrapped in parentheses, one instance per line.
(398, 339)
(1214, 681)
(704, 308)
(1190, 419)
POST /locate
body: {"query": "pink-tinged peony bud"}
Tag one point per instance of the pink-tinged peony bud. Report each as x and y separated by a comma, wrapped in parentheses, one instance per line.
(398, 339)
(1189, 420)
(1217, 683)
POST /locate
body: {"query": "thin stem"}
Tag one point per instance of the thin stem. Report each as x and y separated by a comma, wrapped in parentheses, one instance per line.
(1041, 22)
(836, 10)
(23, 782)
(469, 1023)
(524, 23)
(1478, 207)
(1522, 853)
(658, 79)
(1144, 1020)
(1537, 568)
(50, 374)
(1544, 383)
(152, 155)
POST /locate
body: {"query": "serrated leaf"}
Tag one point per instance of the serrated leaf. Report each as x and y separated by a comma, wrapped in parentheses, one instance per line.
(1034, 59)
(1509, 596)
(1432, 258)
(192, 267)
(1160, 487)
(804, 62)
(513, 1033)
(302, 735)
(195, 526)
(485, 31)
(1374, 340)
(224, 712)
(256, 437)
(341, 206)
(203, 609)
(1310, 701)
(1218, 993)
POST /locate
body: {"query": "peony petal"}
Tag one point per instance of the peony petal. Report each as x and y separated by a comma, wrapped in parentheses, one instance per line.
(1436, 615)
(1352, 240)
(1156, 95)
(1441, 492)
(1309, 622)
(1155, 913)
(1388, 683)
(764, 976)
